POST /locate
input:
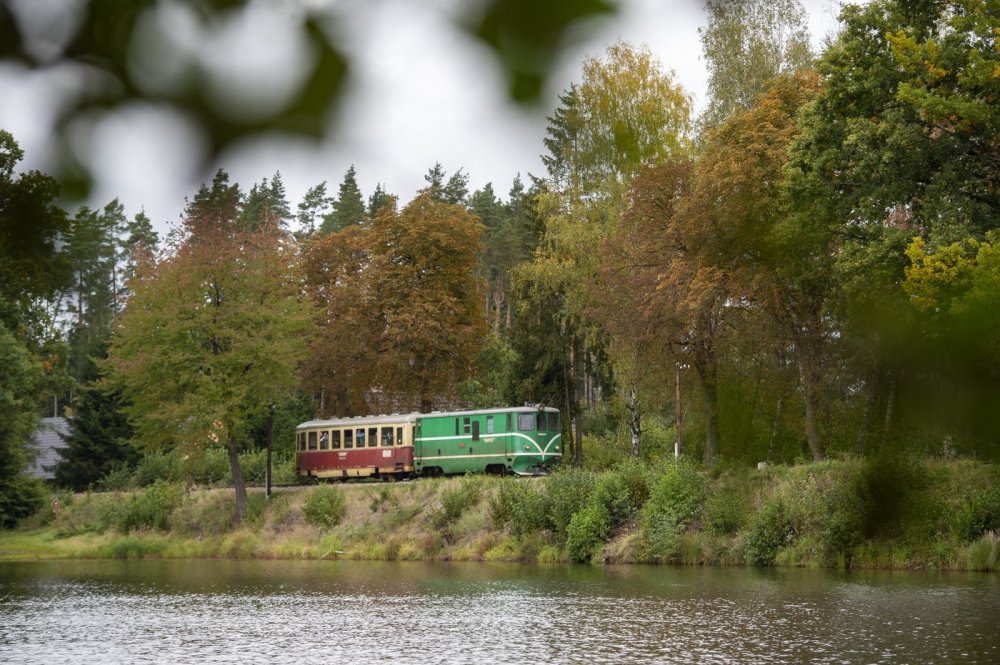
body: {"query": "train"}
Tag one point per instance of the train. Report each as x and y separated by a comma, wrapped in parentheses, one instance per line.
(517, 440)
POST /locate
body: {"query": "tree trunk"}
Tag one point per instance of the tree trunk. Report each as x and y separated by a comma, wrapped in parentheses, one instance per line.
(635, 422)
(678, 443)
(238, 483)
(775, 425)
(890, 408)
(711, 422)
(575, 369)
(270, 441)
(810, 394)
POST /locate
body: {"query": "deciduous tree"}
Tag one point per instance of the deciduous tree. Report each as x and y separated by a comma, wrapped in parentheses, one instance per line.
(212, 333)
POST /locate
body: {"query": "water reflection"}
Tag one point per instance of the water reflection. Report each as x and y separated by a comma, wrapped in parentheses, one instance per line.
(321, 612)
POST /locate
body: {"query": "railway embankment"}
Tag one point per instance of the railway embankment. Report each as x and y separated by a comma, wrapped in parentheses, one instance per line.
(890, 514)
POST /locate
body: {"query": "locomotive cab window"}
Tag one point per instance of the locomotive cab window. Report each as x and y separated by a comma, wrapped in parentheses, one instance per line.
(553, 421)
(526, 422)
(475, 430)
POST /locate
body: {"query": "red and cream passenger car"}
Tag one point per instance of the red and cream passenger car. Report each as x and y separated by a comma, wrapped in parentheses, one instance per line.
(376, 446)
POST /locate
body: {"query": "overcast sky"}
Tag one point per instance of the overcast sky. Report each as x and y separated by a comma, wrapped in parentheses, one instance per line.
(421, 91)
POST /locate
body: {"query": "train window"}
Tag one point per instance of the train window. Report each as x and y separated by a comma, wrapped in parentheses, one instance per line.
(302, 440)
(348, 438)
(553, 419)
(456, 426)
(508, 423)
(372, 437)
(466, 426)
(526, 422)
(489, 424)
(324, 441)
(399, 436)
(312, 440)
(335, 439)
(475, 430)
(359, 439)
(386, 436)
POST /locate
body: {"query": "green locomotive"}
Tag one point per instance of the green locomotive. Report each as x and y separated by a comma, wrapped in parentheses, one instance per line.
(522, 440)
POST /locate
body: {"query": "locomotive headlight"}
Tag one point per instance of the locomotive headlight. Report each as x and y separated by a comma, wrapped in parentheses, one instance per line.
(527, 447)
(558, 448)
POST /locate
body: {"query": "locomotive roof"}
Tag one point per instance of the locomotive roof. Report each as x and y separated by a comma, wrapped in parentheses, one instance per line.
(412, 417)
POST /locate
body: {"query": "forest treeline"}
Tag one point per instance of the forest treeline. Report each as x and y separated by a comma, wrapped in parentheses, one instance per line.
(808, 268)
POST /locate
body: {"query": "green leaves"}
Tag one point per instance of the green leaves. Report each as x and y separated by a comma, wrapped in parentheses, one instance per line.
(526, 36)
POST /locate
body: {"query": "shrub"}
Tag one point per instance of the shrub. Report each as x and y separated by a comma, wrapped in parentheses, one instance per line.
(842, 529)
(20, 496)
(206, 467)
(725, 510)
(588, 529)
(325, 506)
(567, 492)
(674, 501)
(156, 465)
(454, 501)
(623, 491)
(892, 489)
(253, 463)
(979, 515)
(519, 506)
(208, 514)
(118, 479)
(769, 531)
(149, 509)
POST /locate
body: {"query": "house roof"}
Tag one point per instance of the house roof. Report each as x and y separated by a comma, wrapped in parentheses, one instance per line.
(45, 443)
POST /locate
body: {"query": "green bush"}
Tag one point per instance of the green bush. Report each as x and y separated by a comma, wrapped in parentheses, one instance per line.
(842, 529)
(893, 490)
(118, 479)
(769, 531)
(454, 501)
(20, 497)
(623, 491)
(725, 509)
(567, 491)
(206, 467)
(979, 515)
(149, 509)
(588, 529)
(519, 506)
(673, 503)
(325, 506)
(206, 515)
(157, 465)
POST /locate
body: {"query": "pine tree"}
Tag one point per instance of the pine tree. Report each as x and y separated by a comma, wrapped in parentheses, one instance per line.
(98, 436)
(214, 207)
(315, 206)
(349, 208)
(266, 204)
(378, 199)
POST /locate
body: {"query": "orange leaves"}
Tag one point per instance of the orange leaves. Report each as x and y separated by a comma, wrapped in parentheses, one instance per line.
(401, 307)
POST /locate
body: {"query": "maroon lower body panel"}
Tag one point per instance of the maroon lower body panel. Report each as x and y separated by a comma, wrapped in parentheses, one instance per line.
(355, 462)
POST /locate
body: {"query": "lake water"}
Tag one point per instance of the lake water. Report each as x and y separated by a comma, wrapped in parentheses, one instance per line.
(371, 612)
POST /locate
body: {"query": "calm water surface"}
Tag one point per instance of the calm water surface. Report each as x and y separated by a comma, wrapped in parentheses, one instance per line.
(361, 612)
